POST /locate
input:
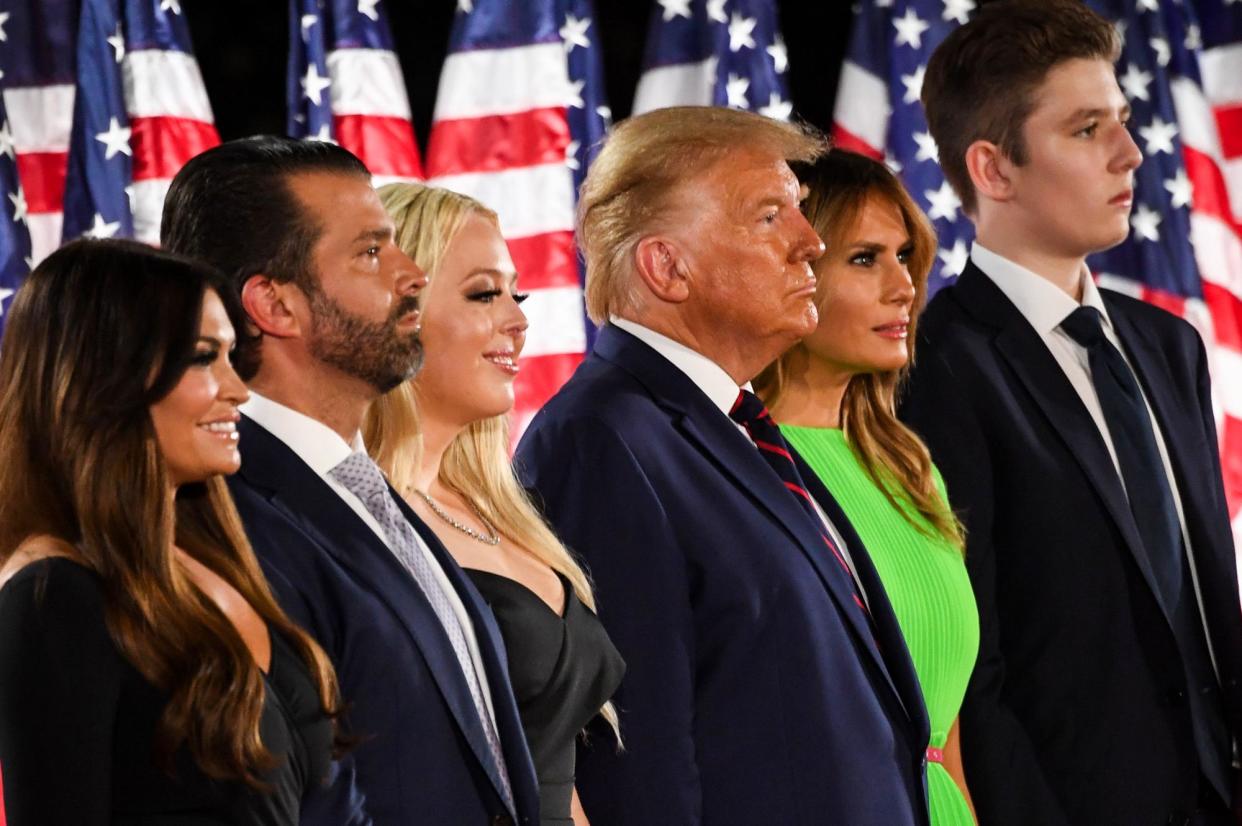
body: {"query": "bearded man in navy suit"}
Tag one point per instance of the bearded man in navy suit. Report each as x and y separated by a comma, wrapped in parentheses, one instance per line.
(767, 679)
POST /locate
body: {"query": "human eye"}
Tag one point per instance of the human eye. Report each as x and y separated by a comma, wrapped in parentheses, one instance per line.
(862, 259)
(483, 296)
(204, 356)
(1089, 130)
(904, 254)
(518, 298)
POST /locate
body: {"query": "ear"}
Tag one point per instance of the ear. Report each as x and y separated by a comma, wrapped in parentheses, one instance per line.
(661, 268)
(268, 303)
(989, 171)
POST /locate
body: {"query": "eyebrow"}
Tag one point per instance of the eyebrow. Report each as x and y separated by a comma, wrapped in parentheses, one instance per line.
(374, 235)
(215, 342)
(1096, 112)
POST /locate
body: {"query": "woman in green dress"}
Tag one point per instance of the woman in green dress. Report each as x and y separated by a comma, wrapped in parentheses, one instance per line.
(833, 396)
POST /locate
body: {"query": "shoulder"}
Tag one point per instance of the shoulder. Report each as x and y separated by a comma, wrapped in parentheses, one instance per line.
(50, 594)
(1150, 317)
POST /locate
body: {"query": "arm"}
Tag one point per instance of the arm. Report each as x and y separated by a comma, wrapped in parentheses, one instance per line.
(60, 678)
(1006, 777)
(575, 811)
(953, 765)
(604, 506)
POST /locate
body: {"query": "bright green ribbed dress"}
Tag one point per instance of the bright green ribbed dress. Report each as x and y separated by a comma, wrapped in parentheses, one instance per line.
(927, 584)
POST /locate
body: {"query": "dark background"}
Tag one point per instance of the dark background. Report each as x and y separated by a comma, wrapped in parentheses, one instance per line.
(242, 48)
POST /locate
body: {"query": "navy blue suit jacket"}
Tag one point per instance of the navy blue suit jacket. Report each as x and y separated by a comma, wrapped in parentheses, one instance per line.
(1076, 712)
(423, 757)
(754, 691)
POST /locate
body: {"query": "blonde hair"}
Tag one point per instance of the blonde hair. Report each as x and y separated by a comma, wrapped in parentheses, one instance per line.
(476, 464)
(893, 455)
(645, 161)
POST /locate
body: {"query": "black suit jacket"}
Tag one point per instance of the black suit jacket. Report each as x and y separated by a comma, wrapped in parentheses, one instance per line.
(423, 757)
(1076, 712)
(754, 691)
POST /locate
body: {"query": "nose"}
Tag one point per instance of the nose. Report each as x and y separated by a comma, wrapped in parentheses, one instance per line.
(232, 388)
(411, 279)
(514, 324)
(900, 286)
(1128, 156)
(807, 245)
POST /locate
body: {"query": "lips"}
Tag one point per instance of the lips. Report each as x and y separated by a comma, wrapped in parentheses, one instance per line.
(506, 360)
(895, 330)
(225, 429)
(1125, 198)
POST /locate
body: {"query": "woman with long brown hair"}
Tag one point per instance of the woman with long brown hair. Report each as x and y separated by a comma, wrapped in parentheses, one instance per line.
(443, 440)
(833, 396)
(147, 675)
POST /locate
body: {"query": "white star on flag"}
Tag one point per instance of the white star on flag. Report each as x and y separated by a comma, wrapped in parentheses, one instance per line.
(1161, 47)
(571, 155)
(4, 18)
(465, 6)
(1194, 39)
(115, 140)
(910, 29)
(740, 29)
(314, 84)
(913, 84)
(675, 8)
(6, 141)
(928, 151)
(735, 89)
(1120, 27)
(605, 114)
(324, 135)
(1180, 190)
(958, 10)
(308, 20)
(780, 57)
(102, 229)
(5, 293)
(1159, 136)
(1147, 5)
(19, 204)
(1146, 223)
(367, 9)
(574, 94)
(954, 260)
(173, 6)
(776, 109)
(715, 11)
(1135, 81)
(943, 202)
(573, 33)
(117, 42)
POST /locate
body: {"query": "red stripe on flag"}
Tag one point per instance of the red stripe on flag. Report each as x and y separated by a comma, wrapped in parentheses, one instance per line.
(162, 145)
(540, 378)
(545, 260)
(1226, 310)
(42, 175)
(498, 142)
(1175, 304)
(1231, 461)
(1229, 120)
(844, 139)
(385, 144)
(1211, 195)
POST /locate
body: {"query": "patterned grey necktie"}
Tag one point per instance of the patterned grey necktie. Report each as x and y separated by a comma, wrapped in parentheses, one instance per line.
(363, 478)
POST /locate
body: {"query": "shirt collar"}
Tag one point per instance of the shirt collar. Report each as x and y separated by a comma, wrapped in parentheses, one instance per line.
(1040, 302)
(321, 447)
(706, 374)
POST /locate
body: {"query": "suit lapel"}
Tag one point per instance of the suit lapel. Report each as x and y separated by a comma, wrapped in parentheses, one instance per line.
(719, 440)
(306, 500)
(1028, 357)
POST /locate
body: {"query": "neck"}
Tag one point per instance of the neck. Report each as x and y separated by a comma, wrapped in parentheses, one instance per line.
(1063, 270)
(737, 357)
(812, 393)
(339, 404)
(437, 436)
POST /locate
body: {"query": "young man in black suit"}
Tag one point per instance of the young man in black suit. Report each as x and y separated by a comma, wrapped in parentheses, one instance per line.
(1074, 429)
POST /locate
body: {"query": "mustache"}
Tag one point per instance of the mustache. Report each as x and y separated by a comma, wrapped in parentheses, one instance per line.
(403, 307)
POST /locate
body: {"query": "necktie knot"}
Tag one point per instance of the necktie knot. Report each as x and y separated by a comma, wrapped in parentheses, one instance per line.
(749, 409)
(1085, 325)
(361, 476)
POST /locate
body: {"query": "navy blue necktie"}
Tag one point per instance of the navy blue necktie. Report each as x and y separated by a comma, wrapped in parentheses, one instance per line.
(1155, 514)
(750, 412)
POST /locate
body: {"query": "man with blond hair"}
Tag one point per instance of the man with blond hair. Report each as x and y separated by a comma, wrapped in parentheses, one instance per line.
(767, 679)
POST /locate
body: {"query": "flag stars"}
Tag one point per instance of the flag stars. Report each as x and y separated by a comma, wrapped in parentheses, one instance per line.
(4, 18)
(674, 8)
(776, 109)
(1180, 190)
(308, 20)
(780, 57)
(117, 42)
(1146, 223)
(314, 84)
(102, 228)
(605, 114)
(927, 151)
(571, 155)
(954, 260)
(1147, 5)
(574, 92)
(465, 6)
(735, 90)
(173, 6)
(324, 135)
(913, 84)
(1161, 47)
(5, 295)
(367, 9)
(1159, 136)
(740, 32)
(715, 11)
(910, 29)
(1194, 39)
(19, 204)
(6, 141)
(1135, 81)
(573, 33)
(115, 139)
(958, 10)
(942, 202)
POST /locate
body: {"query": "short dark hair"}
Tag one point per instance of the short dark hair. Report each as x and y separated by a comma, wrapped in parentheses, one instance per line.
(232, 207)
(981, 81)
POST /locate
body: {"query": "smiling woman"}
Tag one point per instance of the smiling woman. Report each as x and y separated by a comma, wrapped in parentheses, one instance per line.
(145, 670)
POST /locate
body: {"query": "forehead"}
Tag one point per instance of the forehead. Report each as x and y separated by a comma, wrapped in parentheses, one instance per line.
(477, 245)
(1075, 85)
(336, 200)
(214, 321)
(742, 178)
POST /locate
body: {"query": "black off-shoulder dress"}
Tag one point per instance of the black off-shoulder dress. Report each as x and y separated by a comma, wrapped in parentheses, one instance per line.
(77, 722)
(563, 668)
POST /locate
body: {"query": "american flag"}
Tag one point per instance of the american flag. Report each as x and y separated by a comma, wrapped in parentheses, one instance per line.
(518, 115)
(715, 53)
(1184, 252)
(345, 85)
(106, 103)
(14, 234)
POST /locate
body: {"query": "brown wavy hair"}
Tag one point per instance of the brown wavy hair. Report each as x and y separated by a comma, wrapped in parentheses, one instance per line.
(99, 332)
(840, 183)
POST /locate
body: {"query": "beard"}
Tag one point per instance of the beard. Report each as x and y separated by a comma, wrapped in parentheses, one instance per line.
(374, 352)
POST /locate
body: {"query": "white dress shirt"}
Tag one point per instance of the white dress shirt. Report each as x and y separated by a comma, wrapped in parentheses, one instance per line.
(322, 449)
(722, 391)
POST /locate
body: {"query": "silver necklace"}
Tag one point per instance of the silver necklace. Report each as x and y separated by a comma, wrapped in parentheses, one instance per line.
(490, 538)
